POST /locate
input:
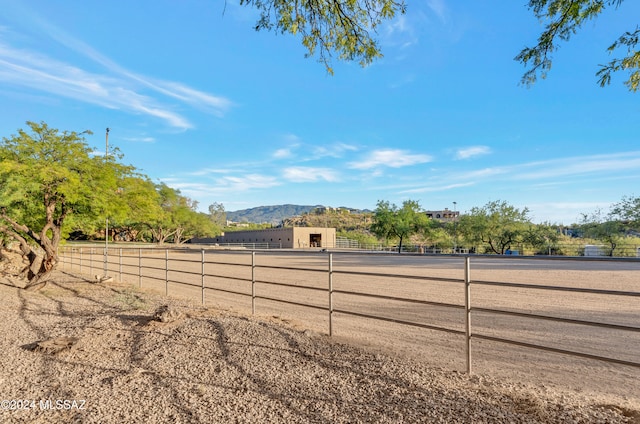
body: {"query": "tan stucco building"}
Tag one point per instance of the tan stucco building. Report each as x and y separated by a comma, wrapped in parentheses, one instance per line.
(287, 238)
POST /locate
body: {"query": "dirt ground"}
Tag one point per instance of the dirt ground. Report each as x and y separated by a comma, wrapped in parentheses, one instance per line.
(218, 363)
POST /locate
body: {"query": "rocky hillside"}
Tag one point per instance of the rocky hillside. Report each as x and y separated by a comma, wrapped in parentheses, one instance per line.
(342, 221)
(268, 214)
(276, 214)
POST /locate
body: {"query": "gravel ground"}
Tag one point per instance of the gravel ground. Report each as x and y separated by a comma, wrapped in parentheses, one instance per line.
(120, 365)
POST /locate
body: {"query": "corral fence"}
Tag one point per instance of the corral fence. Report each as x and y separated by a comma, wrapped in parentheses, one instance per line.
(201, 271)
(247, 245)
(624, 250)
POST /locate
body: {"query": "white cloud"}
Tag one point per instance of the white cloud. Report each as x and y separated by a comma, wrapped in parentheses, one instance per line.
(303, 174)
(439, 9)
(247, 182)
(563, 212)
(292, 138)
(335, 150)
(400, 33)
(209, 171)
(115, 88)
(198, 99)
(140, 139)
(221, 184)
(393, 158)
(293, 143)
(397, 25)
(537, 174)
(579, 165)
(173, 89)
(437, 187)
(282, 153)
(469, 152)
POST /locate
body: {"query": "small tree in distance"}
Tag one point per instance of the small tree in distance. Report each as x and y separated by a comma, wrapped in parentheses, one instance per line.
(497, 224)
(391, 221)
(604, 228)
(217, 214)
(628, 211)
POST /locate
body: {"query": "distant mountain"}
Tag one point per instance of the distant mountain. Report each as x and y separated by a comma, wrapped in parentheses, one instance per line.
(273, 214)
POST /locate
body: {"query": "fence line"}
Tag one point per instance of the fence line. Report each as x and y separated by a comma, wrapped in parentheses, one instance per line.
(128, 258)
(562, 249)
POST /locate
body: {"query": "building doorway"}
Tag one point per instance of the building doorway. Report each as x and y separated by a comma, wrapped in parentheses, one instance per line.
(315, 240)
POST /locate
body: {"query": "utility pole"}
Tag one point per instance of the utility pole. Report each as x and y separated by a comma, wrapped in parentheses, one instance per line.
(455, 229)
(106, 226)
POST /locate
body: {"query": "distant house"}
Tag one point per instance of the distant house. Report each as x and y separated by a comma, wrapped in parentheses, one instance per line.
(286, 238)
(237, 224)
(444, 215)
(321, 210)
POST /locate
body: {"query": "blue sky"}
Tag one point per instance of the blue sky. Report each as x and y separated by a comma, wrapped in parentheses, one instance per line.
(194, 97)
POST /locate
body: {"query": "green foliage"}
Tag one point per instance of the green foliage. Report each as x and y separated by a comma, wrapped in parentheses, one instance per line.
(543, 238)
(443, 235)
(341, 220)
(391, 221)
(217, 214)
(498, 225)
(178, 219)
(329, 26)
(248, 226)
(136, 205)
(628, 210)
(364, 238)
(563, 19)
(630, 62)
(602, 228)
(628, 246)
(47, 176)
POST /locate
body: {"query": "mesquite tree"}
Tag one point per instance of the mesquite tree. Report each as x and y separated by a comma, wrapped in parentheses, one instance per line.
(348, 30)
(564, 18)
(46, 177)
(390, 221)
(499, 226)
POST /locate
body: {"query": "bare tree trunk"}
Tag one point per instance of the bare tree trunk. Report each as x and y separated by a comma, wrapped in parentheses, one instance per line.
(41, 256)
(177, 237)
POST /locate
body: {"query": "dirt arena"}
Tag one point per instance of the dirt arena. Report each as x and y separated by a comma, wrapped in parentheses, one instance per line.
(229, 271)
(113, 362)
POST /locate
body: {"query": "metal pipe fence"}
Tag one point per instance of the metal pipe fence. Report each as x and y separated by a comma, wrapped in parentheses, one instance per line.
(201, 269)
(558, 249)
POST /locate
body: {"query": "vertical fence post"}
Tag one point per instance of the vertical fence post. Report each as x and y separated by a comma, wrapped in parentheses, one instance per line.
(140, 267)
(467, 307)
(330, 294)
(253, 283)
(106, 261)
(91, 260)
(120, 264)
(166, 272)
(202, 281)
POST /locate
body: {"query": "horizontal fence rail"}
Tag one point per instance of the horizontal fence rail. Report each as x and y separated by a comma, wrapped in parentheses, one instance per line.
(204, 270)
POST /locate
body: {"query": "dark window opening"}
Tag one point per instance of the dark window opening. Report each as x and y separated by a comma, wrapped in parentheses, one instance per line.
(315, 240)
